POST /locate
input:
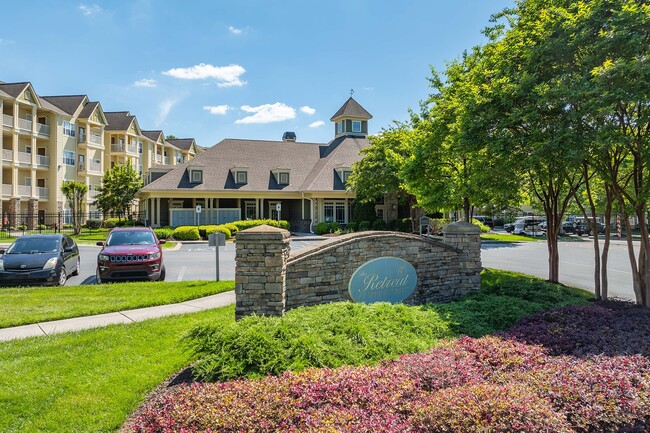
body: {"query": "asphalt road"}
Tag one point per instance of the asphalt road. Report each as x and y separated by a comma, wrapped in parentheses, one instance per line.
(576, 263)
(197, 262)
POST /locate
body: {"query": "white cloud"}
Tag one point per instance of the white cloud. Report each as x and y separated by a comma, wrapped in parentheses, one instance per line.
(145, 82)
(216, 109)
(164, 108)
(316, 124)
(235, 30)
(227, 76)
(89, 10)
(308, 110)
(268, 113)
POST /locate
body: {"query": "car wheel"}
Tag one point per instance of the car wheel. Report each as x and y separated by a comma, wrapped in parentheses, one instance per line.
(162, 274)
(98, 278)
(63, 277)
(77, 267)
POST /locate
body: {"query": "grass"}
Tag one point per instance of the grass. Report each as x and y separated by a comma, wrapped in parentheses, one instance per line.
(25, 305)
(91, 381)
(498, 237)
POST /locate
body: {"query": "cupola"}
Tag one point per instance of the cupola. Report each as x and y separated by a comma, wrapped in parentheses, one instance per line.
(351, 120)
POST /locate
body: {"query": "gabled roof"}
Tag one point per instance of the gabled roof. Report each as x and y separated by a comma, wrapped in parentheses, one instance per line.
(182, 143)
(311, 166)
(153, 135)
(351, 108)
(51, 107)
(14, 89)
(68, 103)
(118, 120)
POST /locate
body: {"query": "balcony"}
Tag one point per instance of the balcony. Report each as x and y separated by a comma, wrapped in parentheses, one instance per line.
(94, 167)
(93, 193)
(158, 159)
(95, 139)
(24, 157)
(24, 190)
(43, 160)
(42, 192)
(132, 148)
(43, 130)
(24, 124)
(8, 120)
(7, 190)
(118, 148)
(166, 160)
(7, 155)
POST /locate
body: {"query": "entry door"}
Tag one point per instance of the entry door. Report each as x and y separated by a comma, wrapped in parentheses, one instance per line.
(273, 210)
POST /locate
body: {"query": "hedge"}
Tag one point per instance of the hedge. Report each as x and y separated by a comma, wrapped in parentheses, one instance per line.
(186, 233)
(164, 232)
(221, 228)
(247, 224)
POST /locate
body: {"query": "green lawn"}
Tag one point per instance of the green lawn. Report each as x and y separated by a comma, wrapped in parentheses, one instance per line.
(499, 237)
(91, 381)
(24, 305)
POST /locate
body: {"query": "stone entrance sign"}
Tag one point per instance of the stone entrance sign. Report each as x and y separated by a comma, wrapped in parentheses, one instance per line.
(269, 280)
(385, 279)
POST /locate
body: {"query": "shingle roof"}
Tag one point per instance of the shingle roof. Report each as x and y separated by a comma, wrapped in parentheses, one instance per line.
(312, 166)
(88, 110)
(152, 135)
(49, 106)
(118, 120)
(352, 108)
(68, 103)
(182, 143)
(14, 89)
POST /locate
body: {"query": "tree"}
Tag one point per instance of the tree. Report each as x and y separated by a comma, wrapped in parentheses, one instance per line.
(119, 188)
(75, 194)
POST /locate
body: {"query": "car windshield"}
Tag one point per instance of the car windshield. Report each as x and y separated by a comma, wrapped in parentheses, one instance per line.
(27, 245)
(130, 238)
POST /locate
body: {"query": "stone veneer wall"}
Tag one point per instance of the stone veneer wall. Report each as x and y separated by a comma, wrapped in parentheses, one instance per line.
(269, 281)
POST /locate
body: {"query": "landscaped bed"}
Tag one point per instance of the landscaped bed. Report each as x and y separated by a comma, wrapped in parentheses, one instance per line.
(496, 383)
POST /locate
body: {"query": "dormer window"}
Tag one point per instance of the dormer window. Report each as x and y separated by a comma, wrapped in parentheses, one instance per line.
(283, 178)
(356, 126)
(196, 175)
(344, 174)
(241, 176)
(339, 127)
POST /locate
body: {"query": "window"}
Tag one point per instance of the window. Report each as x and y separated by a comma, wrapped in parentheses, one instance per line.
(346, 175)
(250, 210)
(339, 127)
(68, 157)
(283, 178)
(139, 147)
(28, 149)
(356, 126)
(334, 211)
(242, 177)
(69, 128)
(196, 176)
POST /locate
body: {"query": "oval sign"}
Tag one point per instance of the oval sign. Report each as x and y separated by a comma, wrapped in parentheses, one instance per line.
(386, 279)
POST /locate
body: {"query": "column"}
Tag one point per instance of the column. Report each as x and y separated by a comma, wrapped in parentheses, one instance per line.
(466, 237)
(158, 211)
(260, 271)
(32, 214)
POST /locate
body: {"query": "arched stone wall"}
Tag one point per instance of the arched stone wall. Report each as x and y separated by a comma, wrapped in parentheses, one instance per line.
(269, 280)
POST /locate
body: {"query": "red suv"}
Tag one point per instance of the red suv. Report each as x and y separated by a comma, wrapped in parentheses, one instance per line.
(132, 253)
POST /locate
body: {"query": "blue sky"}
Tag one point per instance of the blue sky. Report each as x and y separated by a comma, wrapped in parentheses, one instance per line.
(239, 69)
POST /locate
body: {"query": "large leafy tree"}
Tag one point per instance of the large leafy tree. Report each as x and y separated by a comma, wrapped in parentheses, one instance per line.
(119, 188)
(75, 194)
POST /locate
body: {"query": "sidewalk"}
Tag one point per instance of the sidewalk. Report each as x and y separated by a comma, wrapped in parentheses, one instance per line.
(127, 316)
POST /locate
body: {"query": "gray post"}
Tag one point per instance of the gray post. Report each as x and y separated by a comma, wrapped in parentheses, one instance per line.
(466, 237)
(260, 271)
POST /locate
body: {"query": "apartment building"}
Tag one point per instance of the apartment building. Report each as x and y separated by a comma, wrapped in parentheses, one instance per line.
(47, 140)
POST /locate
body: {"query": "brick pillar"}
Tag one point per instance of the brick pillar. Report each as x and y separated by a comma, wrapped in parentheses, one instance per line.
(59, 215)
(14, 211)
(466, 237)
(260, 271)
(32, 214)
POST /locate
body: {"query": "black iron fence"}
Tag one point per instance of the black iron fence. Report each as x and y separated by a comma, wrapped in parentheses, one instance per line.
(18, 224)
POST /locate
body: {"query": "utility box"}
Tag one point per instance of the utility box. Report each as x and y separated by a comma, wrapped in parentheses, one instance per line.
(217, 239)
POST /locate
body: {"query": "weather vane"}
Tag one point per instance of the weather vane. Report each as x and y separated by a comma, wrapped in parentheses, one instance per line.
(351, 92)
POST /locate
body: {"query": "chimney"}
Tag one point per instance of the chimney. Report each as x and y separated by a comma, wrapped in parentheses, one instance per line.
(289, 136)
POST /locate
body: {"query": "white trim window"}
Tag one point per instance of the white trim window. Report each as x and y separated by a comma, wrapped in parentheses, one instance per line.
(334, 211)
(250, 210)
(196, 176)
(346, 176)
(283, 178)
(68, 157)
(69, 128)
(241, 177)
(356, 126)
(339, 127)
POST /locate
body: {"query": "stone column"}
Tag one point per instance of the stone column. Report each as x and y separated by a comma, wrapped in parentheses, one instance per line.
(260, 271)
(14, 212)
(466, 237)
(32, 214)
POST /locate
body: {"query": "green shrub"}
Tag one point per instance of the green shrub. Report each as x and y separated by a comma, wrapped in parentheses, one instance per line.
(93, 224)
(364, 211)
(352, 226)
(203, 230)
(65, 226)
(233, 228)
(186, 233)
(327, 335)
(322, 228)
(108, 223)
(379, 225)
(364, 225)
(42, 227)
(164, 232)
(335, 227)
(483, 227)
(393, 225)
(221, 229)
(247, 224)
(24, 227)
(405, 225)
